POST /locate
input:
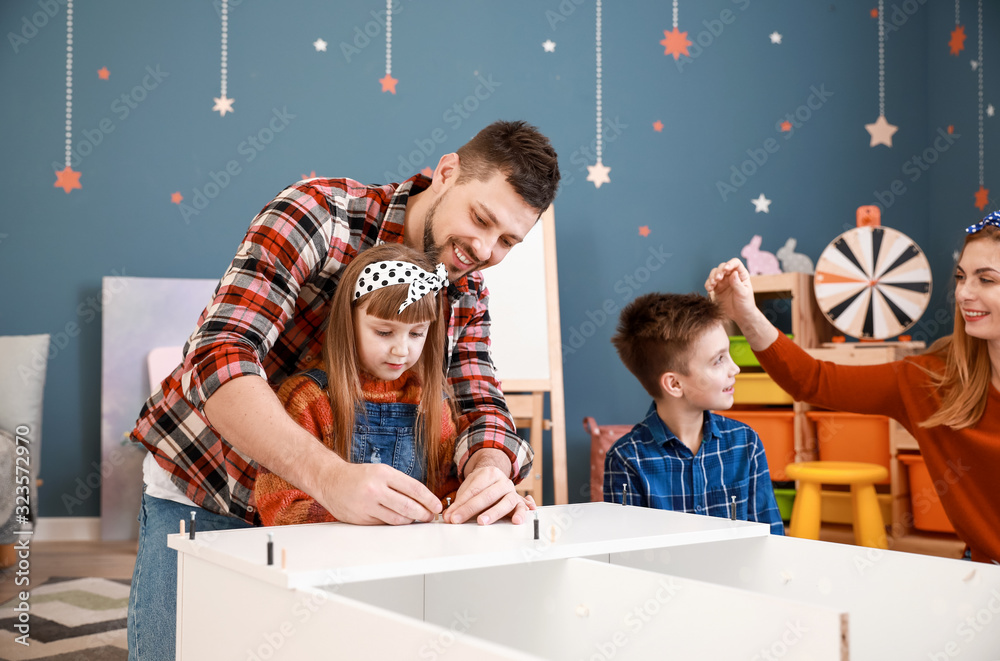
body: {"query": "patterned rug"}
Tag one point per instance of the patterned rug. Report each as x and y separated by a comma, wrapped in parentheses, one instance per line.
(72, 619)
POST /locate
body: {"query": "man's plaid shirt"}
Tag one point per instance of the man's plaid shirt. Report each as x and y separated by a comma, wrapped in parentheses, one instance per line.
(266, 319)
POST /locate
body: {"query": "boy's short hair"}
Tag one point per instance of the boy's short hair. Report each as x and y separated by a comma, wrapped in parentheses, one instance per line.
(655, 333)
(521, 153)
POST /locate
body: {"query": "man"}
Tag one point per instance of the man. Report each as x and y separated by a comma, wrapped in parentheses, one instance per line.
(207, 429)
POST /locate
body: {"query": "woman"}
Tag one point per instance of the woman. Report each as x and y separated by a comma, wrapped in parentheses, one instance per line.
(948, 398)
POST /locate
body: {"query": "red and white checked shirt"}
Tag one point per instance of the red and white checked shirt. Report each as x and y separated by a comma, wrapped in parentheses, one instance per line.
(266, 318)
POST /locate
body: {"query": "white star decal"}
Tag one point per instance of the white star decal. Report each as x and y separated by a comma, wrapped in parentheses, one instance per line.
(775, 38)
(975, 64)
(549, 46)
(598, 173)
(319, 45)
(761, 204)
(990, 111)
(223, 105)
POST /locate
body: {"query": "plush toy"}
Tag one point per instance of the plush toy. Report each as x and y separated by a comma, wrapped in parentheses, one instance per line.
(759, 262)
(793, 262)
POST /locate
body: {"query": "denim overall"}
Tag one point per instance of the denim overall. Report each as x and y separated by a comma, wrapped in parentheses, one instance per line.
(383, 434)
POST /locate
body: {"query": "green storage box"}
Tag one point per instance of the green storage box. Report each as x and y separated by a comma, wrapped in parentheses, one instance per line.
(741, 352)
(785, 498)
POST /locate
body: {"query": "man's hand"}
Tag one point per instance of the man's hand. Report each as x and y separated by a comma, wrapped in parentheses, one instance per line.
(488, 492)
(371, 494)
(729, 285)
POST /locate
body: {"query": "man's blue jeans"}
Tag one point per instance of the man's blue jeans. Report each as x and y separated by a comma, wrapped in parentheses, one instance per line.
(152, 604)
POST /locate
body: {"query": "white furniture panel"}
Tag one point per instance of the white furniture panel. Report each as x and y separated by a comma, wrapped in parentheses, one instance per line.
(580, 609)
(901, 605)
(663, 585)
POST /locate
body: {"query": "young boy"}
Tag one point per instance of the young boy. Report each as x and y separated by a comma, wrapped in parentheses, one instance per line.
(683, 457)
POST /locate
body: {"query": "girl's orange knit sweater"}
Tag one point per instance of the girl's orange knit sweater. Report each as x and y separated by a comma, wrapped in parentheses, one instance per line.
(280, 503)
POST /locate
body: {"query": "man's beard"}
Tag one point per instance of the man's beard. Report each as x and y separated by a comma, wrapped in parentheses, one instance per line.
(431, 249)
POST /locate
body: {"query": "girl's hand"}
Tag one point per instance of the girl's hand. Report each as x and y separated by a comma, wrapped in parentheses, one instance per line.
(371, 494)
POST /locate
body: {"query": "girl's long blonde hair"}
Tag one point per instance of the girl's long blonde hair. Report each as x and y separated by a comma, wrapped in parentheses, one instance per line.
(965, 381)
(341, 356)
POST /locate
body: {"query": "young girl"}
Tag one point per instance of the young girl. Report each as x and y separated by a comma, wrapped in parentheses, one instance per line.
(947, 397)
(378, 395)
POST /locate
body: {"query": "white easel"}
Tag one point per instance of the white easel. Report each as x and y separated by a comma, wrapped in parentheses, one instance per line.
(527, 348)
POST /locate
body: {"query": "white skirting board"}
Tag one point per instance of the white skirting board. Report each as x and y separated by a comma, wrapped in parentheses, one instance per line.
(67, 529)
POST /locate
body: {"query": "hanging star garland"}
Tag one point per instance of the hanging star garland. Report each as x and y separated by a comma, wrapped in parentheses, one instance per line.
(68, 178)
(957, 41)
(598, 172)
(983, 194)
(388, 82)
(223, 104)
(881, 131)
(675, 42)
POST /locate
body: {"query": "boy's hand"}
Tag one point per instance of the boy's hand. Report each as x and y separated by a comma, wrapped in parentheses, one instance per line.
(729, 285)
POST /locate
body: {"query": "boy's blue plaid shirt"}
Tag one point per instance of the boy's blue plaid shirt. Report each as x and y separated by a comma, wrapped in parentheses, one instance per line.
(661, 472)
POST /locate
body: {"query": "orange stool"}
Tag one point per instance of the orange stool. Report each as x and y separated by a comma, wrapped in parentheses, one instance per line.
(869, 528)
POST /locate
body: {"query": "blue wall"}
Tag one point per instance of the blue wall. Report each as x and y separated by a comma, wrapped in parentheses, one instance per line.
(726, 99)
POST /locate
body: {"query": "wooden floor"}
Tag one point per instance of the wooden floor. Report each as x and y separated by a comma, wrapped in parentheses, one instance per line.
(73, 559)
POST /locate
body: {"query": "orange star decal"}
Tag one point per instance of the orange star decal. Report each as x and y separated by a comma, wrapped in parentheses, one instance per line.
(657, 126)
(874, 13)
(644, 230)
(67, 179)
(103, 73)
(427, 172)
(957, 41)
(675, 43)
(982, 197)
(388, 83)
(786, 126)
(951, 128)
(176, 198)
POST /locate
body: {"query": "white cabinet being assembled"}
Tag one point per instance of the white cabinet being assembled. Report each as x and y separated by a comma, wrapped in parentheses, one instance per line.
(603, 582)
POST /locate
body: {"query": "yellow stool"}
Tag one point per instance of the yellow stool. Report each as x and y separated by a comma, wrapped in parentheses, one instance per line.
(869, 529)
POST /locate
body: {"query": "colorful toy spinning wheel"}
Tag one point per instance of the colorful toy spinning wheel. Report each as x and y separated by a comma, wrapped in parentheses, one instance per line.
(872, 282)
